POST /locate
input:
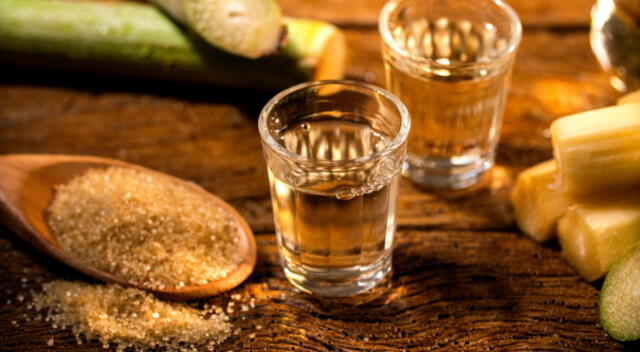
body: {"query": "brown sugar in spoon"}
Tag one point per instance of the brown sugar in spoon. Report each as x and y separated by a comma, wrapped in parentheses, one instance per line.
(27, 184)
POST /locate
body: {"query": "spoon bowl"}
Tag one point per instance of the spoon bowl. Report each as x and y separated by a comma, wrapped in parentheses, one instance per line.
(27, 186)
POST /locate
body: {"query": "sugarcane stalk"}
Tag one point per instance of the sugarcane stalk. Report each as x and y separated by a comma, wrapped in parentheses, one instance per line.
(597, 151)
(629, 98)
(538, 202)
(250, 28)
(140, 40)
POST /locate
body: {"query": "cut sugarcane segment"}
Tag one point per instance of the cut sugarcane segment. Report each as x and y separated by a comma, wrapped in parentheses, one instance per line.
(598, 150)
(139, 40)
(619, 303)
(593, 234)
(317, 45)
(250, 28)
(633, 97)
(538, 202)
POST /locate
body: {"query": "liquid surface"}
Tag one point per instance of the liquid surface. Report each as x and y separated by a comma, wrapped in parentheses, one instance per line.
(327, 138)
(335, 219)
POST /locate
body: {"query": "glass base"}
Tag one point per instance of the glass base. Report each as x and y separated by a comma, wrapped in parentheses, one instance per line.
(449, 173)
(336, 281)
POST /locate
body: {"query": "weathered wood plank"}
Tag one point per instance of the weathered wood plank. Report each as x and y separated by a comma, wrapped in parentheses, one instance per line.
(462, 280)
(364, 13)
(192, 135)
(539, 13)
(447, 293)
(457, 284)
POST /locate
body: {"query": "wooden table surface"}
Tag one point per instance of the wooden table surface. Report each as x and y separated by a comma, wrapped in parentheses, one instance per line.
(464, 278)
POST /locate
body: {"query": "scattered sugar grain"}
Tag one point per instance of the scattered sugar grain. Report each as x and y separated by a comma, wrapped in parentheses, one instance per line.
(144, 227)
(130, 318)
(50, 342)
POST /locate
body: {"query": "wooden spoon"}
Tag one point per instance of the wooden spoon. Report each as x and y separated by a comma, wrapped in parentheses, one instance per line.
(27, 184)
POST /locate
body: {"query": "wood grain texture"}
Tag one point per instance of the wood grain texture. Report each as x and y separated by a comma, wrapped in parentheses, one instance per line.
(539, 13)
(464, 279)
(446, 294)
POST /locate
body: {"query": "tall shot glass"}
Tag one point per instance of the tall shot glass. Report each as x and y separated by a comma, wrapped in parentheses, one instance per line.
(449, 61)
(334, 151)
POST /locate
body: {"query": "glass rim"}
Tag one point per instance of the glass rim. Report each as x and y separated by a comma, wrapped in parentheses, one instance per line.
(391, 5)
(395, 143)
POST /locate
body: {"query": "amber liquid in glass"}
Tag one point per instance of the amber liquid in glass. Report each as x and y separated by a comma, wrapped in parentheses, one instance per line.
(338, 218)
(455, 102)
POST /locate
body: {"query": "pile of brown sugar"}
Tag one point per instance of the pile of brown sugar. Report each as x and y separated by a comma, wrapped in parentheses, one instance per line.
(144, 228)
(150, 230)
(129, 318)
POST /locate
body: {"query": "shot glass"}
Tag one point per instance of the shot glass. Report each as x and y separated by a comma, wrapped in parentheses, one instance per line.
(334, 151)
(450, 61)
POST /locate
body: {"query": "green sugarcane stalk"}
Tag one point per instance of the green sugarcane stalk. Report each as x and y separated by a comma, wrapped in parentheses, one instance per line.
(140, 40)
(250, 28)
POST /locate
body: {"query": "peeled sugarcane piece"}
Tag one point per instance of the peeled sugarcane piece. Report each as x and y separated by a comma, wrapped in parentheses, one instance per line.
(250, 28)
(619, 303)
(317, 47)
(595, 233)
(633, 97)
(538, 202)
(598, 150)
(139, 40)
